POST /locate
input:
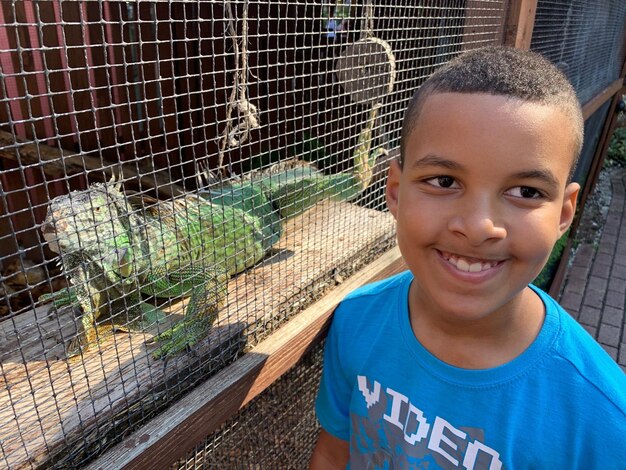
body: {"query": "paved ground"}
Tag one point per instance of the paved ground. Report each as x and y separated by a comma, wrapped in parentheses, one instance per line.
(595, 286)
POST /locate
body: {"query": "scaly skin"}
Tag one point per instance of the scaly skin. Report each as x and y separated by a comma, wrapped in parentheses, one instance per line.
(116, 247)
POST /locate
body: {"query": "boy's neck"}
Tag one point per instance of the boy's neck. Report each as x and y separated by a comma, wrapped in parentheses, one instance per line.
(480, 344)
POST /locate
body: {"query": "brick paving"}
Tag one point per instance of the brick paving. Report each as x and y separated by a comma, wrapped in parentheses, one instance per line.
(594, 289)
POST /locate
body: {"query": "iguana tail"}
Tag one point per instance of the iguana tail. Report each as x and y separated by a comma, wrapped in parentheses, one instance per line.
(301, 188)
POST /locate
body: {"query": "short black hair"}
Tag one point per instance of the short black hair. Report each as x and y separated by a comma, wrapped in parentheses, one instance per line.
(500, 70)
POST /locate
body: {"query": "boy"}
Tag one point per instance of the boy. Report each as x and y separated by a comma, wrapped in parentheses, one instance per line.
(459, 363)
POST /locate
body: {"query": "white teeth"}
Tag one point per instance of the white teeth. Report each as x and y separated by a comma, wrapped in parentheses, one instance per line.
(463, 265)
(475, 267)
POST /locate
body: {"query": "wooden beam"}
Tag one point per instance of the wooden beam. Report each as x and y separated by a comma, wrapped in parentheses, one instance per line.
(86, 396)
(590, 182)
(561, 270)
(60, 163)
(597, 101)
(520, 21)
(172, 433)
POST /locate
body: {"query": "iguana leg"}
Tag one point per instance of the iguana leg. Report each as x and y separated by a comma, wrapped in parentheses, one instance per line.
(86, 335)
(208, 293)
(131, 313)
(61, 298)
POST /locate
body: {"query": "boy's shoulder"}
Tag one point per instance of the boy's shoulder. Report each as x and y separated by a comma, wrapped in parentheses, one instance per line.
(586, 362)
(368, 307)
(380, 288)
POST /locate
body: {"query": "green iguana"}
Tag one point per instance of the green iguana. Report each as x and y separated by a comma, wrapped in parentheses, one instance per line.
(116, 247)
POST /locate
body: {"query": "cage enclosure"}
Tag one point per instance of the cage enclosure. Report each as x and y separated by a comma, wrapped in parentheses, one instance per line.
(180, 178)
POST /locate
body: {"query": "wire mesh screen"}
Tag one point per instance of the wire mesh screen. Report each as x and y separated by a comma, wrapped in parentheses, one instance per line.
(278, 429)
(180, 177)
(586, 40)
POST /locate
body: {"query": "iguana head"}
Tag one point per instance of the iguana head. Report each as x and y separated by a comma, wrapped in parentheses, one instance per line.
(88, 222)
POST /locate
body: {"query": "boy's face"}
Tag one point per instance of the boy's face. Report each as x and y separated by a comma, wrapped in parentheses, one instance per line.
(481, 199)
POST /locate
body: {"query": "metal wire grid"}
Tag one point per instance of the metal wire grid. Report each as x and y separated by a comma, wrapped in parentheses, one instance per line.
(585, 38)
(87, 88)
(278, 429)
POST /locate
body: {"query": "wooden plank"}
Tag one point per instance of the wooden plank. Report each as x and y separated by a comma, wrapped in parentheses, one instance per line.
(55, 410)
(597, 101)
(184, 84)
(165, 69)
(54, 50)
(614, 91)
(518, 31)
(590, 182)
(60, 163)
(166, 438)
(8, 243)
(561, 270)
(116, 16)
(157, 79)
(100, 71)
(81, 103)
(26, 61)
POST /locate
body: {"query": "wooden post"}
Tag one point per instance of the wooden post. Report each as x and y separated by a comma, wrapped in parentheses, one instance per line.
(590, 182)
(520, 21)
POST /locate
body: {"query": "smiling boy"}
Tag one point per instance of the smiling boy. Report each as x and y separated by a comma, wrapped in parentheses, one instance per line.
(459, 363)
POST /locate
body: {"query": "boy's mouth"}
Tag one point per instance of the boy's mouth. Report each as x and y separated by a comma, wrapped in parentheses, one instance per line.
(469, 265)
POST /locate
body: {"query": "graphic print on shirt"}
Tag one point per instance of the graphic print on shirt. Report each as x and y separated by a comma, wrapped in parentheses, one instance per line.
(396, 434)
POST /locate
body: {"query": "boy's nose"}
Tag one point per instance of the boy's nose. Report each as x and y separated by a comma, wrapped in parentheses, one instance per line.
(477, 223)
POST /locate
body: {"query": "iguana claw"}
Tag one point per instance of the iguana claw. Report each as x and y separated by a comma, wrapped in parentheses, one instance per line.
(180, 337)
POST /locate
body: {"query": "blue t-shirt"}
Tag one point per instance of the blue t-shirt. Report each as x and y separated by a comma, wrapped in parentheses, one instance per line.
(560, 404)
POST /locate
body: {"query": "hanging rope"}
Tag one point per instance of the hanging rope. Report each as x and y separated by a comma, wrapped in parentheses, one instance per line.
(366, 69)
(237, 130)
(367, 31)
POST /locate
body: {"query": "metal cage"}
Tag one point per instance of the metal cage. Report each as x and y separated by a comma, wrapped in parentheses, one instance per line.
(134, 134)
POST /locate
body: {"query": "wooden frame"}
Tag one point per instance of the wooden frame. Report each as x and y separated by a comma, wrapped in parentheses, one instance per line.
(520, 23)
(167, 437)
(121, 372)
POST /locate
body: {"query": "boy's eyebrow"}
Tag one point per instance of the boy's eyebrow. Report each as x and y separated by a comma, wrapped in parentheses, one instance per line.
(542, 174)
(434, 160)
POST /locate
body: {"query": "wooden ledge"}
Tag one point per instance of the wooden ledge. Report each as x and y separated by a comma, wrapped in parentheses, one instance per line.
(602, 97)
(170, 435)
(63, 412)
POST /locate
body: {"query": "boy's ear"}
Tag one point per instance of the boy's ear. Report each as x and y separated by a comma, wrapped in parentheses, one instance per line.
(568, 210)
(393, 186)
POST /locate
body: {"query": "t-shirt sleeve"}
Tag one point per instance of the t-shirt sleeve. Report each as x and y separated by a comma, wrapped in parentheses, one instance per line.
(333, 400)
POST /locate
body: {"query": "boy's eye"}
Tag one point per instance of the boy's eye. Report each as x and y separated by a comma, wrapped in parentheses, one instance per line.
(525, 192)
(442, 182)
